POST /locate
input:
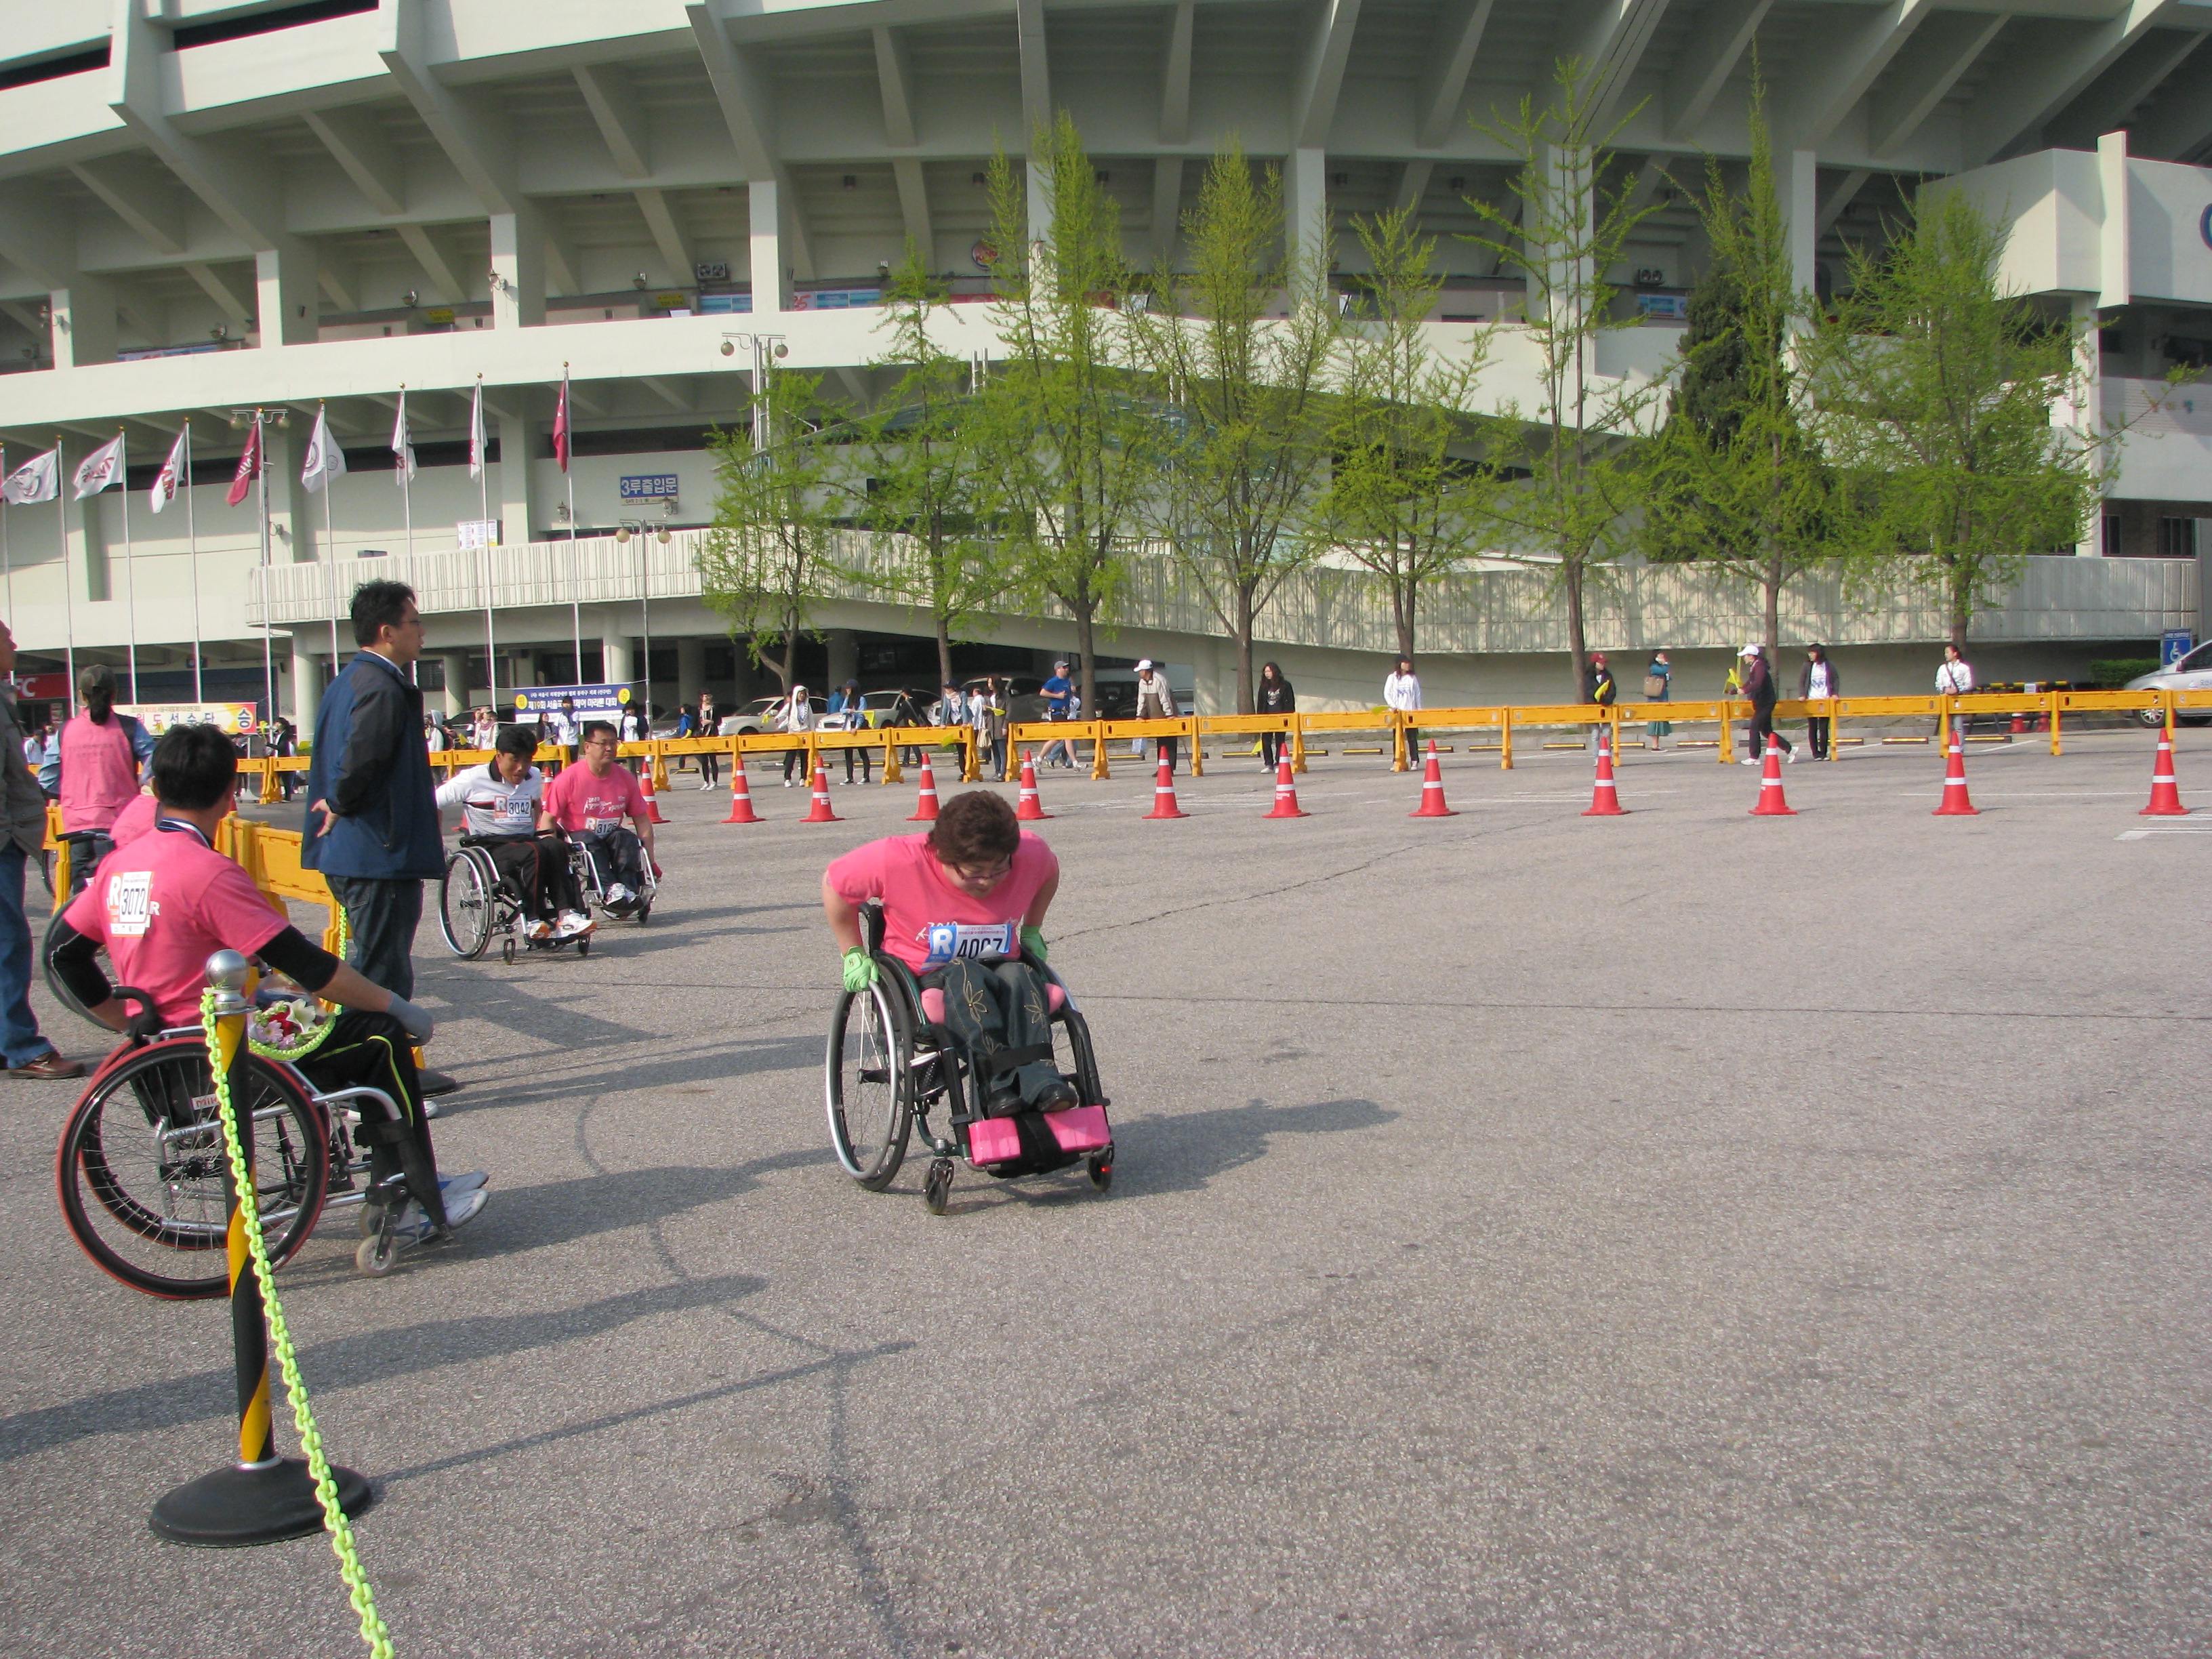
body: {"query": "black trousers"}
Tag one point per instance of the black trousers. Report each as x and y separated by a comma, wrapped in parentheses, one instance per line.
(710, 767)
(382, 917)
(1272, 745)
(867, 764)
(372, 1050)
(994, 1005)
(537, 865)
(793, 757)
(1413, 746)
(617, 855)
(1168, 752)
(1762, 728)
(1816, 733)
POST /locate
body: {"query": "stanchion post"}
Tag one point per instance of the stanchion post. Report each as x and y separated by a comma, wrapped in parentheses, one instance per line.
(2054, 722)
(1197, 748)
(892, 773)
(1297, 742)
(262, 1498)
(1728, 733)
(1098, 767)
(1505, 739)
(1835, 728)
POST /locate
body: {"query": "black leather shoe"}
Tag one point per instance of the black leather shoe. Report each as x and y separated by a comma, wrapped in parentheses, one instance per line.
(1056, 1097)
(433, 1082)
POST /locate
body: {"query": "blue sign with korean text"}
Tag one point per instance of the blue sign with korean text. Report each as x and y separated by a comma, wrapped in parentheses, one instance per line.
(649, 487)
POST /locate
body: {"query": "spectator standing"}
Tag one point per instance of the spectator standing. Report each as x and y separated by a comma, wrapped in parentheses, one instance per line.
(1599, 687)
(635, 728)
(1402, 689)
(796, 716)
(93, 766)
(434, 736)
(847, 702)
(1759, 686)
(1818, 679)
(1059, 705)
(485, 730)
(1155, 702)
(27, 1054)
(285, 744)
(951, 710)
(905, 715)
(1658, 687)
(710, 765)
(1273, 696)
(687, 726)
(372, 819)
(34, 745)
(993, 726)
(1955, 678)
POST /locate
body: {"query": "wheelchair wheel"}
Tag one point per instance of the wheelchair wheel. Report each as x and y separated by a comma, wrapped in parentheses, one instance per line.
(868, 1077)
(141, 1163)
(1072, 1055)
(467, 905)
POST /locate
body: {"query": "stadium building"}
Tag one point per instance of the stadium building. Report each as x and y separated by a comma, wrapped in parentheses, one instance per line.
(312, 208)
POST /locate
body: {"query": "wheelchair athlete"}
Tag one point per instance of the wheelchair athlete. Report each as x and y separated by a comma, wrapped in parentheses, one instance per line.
(499, 802)
(165, 902)
(588, 802)
(960, 905)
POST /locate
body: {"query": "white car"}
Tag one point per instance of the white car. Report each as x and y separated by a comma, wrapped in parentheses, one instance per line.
(759, 716)
(2192, 673)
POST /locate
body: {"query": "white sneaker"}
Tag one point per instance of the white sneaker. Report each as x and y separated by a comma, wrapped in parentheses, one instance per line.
(539, 930)
(1791, 757)
(413, 1225)
(786, 783)
(704, 784)
(1748, 760)
(454, 1186)
(618, 894)
(574, 922)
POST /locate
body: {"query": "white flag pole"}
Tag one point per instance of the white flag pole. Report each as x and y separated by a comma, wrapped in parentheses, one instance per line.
(330, 545)
(7, 565)
(192, 558)
(575, 566)
(268, 646)
(129, 564)
(68, 593)
(407, 484)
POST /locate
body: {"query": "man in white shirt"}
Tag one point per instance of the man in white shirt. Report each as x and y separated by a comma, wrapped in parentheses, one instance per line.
(1954, 679)
(1402, 689)
(500, 804)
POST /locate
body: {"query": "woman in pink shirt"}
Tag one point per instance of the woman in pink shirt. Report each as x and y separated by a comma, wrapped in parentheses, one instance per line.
(961, 904)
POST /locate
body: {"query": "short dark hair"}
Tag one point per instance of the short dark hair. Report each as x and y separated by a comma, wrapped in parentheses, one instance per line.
(194, 766)
(378, 605)
(976, 828)
(516, 740)
(591, 728)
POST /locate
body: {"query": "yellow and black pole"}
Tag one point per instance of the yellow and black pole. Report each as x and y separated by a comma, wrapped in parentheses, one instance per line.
(262, 1498)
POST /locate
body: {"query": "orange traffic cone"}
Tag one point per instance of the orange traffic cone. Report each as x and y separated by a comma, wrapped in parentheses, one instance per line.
(741, 795)
(821, 812)
(1030, 808)
(1957, 804)
(1163, 800)
(1286, 794)
(2018, 723)
(2164, 793)
(1772, 803)
(1605, 798)
(925, 805)
(1432, 790)
(652, 806)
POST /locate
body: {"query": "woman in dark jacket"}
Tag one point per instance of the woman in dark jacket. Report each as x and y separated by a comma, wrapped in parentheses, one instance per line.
(1818, 679)
(1759, 686)
(1275, 697)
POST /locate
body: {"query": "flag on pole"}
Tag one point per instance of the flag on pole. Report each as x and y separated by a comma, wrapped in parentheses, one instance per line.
(165, 482)
(249, 466)
(325, 460)
(561, 422)
(402, 452)
(38, 479)
(98, 470)
(477, 432)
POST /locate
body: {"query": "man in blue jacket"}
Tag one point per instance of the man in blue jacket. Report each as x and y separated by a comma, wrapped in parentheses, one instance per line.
(372, 825)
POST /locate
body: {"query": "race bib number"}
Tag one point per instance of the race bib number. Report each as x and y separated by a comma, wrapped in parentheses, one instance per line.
(947, 941)
(518, 810)
(602, 826)
(129, 904)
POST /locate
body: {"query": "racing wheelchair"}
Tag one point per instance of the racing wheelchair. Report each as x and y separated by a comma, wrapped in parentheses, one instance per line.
(890, 1063)
(141, 1161)
(476, 903)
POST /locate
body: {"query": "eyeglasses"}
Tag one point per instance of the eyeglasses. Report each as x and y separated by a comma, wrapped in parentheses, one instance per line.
(982, 872)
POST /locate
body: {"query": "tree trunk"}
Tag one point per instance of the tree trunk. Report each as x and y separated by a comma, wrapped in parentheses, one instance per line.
(1402, 600)
(943, 652)
(1771, 596)
(1086, 608)
(1244, 702)
(1570, 571)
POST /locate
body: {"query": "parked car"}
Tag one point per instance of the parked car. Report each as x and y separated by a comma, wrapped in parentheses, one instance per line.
(759, 716)
(2192, 673)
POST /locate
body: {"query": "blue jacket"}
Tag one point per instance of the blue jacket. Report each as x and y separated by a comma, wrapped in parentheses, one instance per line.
(370, 766)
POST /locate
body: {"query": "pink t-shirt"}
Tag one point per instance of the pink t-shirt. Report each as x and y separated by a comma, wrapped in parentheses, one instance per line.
(928, 922)
(134, 820)
(579, 801)
(162, 906)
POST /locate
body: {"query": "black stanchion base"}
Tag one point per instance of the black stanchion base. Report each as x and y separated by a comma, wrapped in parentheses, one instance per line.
(230, 1508)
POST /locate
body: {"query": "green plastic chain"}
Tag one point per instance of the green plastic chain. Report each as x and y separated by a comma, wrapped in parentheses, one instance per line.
(372, 1631)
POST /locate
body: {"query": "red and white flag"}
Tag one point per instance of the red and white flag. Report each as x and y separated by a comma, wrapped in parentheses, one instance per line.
(165, 482)
(249, 466)
(100, 469)
(477, 432)
(561, 422)
(402, 452)
(38, 479)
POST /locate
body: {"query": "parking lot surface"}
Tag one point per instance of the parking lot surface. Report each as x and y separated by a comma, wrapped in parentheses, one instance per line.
(1686, 1233)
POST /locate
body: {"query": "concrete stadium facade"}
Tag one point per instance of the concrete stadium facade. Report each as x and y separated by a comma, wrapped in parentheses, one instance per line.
(208, 208)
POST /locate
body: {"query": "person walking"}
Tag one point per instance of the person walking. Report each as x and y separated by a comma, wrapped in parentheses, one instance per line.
(27, 1053)
(1155, 702)
(1955, 678)
(1658, 687)
(372, 820)
(1273, 696)
(849, 703)
(1059, 705)
(1598, 687)
(1816, 681)
(1759, 686)
(795, 717)
(1402, 689)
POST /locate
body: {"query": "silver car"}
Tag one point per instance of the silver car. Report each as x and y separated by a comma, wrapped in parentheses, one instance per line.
(2192, 673)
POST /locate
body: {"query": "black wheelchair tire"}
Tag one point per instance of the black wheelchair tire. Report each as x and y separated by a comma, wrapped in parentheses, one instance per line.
(108, 1207)
(468, 927)
(871, 1105)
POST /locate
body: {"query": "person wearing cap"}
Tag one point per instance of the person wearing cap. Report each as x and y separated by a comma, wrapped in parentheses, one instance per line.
(1059, 705)
(1155, 702)
(92, 767)
(847, 702)
(1598, 687)
(1759, 686)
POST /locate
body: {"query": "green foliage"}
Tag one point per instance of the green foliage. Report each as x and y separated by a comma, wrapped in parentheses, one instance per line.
(1245, 448)
(2113, 672)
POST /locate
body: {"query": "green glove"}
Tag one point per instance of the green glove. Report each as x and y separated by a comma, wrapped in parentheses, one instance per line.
(1033, 942)
(860, 970)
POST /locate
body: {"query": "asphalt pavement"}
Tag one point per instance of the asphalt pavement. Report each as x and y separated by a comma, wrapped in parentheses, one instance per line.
(1679, 1234)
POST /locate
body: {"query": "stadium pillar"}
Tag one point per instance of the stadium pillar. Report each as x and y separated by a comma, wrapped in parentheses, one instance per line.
(511, 489)
(1796, 181)
(617, 660)
(306, 686)
(518, 259)
(83, 322)
(690, 668)
(285, 299)
(844, 647)
(457, 681)
(771, 276)
(1305, 209)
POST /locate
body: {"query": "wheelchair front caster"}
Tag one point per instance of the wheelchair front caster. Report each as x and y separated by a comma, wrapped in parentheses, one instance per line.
(506, 951)
(1100, 1168)
(584, 945)
(939, 1187)
(644, 911)
(378, 1256)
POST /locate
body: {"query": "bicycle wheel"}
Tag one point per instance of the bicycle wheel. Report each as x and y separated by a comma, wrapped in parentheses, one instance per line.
(866, 1076)
(141, 1167)
(465, 904)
